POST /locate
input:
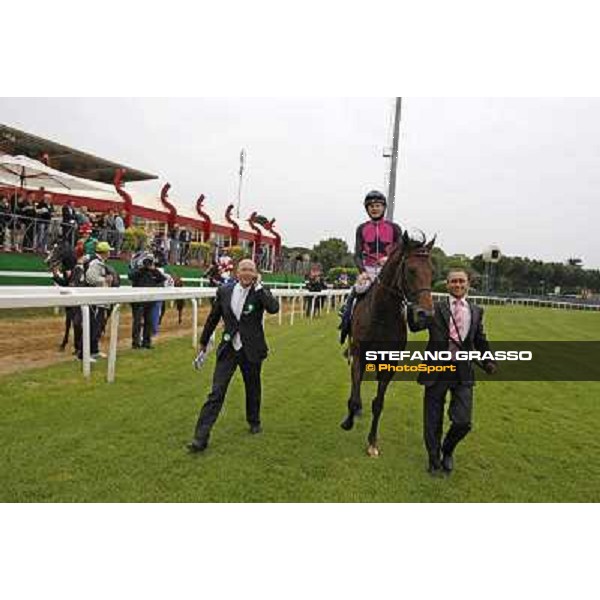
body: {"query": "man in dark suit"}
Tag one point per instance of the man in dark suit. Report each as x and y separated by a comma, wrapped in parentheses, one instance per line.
(241, 306)
(457, 326)
(69, 222)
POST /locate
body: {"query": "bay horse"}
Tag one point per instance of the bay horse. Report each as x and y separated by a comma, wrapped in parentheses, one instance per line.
(403, 287)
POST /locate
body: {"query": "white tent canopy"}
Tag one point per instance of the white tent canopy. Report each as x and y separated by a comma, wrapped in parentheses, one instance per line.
(30, 174)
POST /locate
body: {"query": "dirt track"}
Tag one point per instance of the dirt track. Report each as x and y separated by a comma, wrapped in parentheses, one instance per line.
(31, 342)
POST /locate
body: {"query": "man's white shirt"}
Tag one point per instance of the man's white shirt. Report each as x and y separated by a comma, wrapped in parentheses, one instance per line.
(238, 299)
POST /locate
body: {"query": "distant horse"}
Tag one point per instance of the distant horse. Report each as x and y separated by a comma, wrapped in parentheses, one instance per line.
(179, 303)
(403, 286)
(61, 256)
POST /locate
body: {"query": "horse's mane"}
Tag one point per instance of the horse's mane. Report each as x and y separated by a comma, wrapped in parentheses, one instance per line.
(407, 245)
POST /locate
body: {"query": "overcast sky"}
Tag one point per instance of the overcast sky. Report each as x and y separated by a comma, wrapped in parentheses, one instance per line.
(520, 173)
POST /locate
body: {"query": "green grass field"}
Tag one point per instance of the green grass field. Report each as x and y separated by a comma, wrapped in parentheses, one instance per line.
(64, 439)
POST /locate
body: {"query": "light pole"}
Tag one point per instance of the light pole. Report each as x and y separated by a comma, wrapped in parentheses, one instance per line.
(394, 160)
(242, 165)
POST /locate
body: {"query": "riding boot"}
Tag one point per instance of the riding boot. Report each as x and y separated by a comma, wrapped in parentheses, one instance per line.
(346, 317)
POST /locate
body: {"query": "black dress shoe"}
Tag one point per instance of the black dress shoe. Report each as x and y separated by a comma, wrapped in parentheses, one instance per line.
(147, 346)
(196, 446)
(435, 467)
(254, 429)
(447, 463)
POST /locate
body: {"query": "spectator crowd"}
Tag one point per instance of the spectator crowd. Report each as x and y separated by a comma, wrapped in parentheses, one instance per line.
(30, 222)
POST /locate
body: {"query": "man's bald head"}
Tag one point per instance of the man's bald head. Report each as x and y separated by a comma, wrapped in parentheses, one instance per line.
(246, 262)
(247, 272)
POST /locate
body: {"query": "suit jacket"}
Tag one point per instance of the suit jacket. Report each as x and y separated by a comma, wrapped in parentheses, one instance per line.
(68, 214)
(439, 340)
(250, 325)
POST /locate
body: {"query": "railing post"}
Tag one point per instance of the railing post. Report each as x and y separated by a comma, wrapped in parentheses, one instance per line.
(292, 310)
(112, 348)
(280, 317)
(85, 341)
(195, 323)
(312, 307)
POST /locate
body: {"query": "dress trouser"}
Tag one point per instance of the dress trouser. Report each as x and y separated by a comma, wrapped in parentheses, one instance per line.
(460, 413)
(227, 362)
(142, 319)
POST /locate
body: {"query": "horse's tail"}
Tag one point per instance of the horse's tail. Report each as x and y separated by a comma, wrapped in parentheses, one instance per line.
(347, 354)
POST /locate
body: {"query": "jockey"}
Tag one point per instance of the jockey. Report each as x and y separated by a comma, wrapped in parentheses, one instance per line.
(226, 267)
(89, 241)
(375, 241)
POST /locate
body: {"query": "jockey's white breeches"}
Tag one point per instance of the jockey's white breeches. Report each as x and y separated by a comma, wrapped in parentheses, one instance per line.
(366, 279)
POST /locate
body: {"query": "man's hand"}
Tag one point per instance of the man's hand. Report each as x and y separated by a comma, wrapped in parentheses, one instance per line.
(202, 348)
(491, 368)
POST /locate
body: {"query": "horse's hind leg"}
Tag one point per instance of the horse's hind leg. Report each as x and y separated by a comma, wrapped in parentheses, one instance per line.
(65, 339)
(377, 407)
(354, 402)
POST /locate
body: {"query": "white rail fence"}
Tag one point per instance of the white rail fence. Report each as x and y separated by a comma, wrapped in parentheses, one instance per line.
(535, 302)
(54, 297)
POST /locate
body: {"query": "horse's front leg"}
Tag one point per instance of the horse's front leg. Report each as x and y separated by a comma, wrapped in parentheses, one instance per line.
(377, 407)
(354, 402)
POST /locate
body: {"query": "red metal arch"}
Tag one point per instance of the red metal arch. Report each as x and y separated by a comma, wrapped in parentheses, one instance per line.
(270, 228)
(207, 221)
(235, 228)
(257, 233)
(128, 202)
(164, 198)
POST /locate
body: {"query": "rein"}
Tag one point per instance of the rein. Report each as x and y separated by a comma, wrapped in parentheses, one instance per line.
(401, 290)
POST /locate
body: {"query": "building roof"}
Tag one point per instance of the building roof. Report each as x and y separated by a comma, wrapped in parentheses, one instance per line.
(68, 160)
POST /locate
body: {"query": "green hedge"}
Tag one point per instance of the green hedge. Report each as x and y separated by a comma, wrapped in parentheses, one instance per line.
(30, 262)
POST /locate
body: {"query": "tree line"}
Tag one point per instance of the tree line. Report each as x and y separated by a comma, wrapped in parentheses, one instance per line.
(512, 274)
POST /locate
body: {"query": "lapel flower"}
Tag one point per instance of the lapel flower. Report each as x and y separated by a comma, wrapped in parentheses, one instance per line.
(248, 309)
(226, 337)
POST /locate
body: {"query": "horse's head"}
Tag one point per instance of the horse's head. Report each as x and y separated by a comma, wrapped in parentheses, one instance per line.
(411, 273)
(60, 256)
(54, 257)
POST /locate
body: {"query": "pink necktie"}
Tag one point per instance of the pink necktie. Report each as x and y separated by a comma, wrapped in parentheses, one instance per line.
(456, 326)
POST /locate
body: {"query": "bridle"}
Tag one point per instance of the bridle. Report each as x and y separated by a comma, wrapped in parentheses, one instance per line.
(406, 297)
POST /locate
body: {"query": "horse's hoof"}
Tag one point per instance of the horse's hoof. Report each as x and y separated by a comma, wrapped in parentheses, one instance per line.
(373, 451)
(347, 424)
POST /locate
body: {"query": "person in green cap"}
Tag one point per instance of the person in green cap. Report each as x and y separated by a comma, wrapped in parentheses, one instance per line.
(98, 274)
